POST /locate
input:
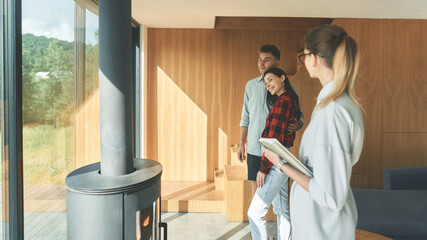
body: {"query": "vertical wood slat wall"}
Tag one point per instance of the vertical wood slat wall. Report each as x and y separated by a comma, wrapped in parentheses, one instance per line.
(369, 36)
(395, 80)
(211, 67)
(392, 87)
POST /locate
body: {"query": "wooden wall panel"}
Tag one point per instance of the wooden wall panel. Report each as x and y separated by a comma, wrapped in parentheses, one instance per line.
(368, 35)
(393, 73)
(151, 96)
(406, 73)
(308, 89)
(270, 23)
(211, 68)
(370, 70)
(181, 134)
(395, 70)
(417, 92)
(400, 150)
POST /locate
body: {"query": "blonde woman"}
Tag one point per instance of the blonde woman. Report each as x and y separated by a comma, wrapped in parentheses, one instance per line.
(323, 207)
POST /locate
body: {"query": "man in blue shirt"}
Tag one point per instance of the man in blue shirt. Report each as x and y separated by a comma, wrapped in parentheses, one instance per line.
(255, 111)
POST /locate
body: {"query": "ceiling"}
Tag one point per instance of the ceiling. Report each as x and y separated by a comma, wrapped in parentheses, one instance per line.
(202, 13)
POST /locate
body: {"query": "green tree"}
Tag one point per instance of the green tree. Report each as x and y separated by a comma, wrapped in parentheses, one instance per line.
(47, 100)
(59, 90)
(29, 91)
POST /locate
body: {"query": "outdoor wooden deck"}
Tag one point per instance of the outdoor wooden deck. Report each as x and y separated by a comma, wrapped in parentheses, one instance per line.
(45, 215)
(45, 198)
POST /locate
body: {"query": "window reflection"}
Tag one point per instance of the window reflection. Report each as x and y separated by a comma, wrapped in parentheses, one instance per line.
(50, 87)
(92, 50)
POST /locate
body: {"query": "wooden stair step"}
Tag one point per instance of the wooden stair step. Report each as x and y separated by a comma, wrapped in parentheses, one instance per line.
(219, 179)
(192, 197)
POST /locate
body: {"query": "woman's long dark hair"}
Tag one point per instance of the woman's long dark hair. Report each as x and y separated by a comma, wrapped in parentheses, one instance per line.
(279, 73)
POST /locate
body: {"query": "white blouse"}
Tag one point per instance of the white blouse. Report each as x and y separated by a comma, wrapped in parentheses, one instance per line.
(330, 146)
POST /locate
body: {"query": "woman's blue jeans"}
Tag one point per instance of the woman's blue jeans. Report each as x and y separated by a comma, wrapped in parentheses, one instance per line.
(274, 191)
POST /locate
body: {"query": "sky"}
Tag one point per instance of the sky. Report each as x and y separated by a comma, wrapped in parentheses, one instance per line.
(55, 19)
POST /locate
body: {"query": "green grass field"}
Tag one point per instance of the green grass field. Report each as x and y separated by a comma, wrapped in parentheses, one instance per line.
(48, 154)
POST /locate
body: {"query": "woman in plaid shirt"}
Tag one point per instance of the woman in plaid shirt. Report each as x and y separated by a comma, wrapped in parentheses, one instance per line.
(273, 185)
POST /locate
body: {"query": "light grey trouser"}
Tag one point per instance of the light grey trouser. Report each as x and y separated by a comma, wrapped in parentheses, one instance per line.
(274, 190)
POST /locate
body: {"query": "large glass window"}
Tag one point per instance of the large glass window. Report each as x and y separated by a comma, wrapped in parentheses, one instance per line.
(86, 118)
(48, 110)
(92, 56)
(60, 56)
(11, 120)
(60, 107)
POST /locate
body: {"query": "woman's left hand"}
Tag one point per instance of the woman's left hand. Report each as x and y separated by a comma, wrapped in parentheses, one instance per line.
(260, 179)
(271, 156)
(297, 176)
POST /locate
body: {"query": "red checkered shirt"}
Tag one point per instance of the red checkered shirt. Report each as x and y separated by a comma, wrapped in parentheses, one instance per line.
(284, 111)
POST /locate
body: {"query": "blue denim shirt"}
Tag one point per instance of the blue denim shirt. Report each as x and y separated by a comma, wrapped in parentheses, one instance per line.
(254, 113)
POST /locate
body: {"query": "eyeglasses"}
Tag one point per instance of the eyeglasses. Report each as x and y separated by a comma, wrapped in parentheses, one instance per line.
(301, 57)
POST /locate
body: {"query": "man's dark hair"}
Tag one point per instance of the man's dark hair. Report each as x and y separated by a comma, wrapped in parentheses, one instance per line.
(268, 48)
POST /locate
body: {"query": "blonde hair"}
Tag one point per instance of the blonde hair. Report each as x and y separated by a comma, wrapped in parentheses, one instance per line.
(340, 53)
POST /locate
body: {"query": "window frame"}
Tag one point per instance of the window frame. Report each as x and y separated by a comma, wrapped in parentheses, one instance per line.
(12, 177)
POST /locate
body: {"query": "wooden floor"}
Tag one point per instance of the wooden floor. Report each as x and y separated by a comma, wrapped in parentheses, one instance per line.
(45, 206)
(176, 197)
(189, 196)
(192, 197)
(45, 215)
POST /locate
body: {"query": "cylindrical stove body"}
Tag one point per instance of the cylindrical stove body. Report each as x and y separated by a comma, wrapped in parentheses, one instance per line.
(111, 207)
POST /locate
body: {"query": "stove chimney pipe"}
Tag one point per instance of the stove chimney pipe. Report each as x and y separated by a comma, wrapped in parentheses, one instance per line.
(115, 69)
